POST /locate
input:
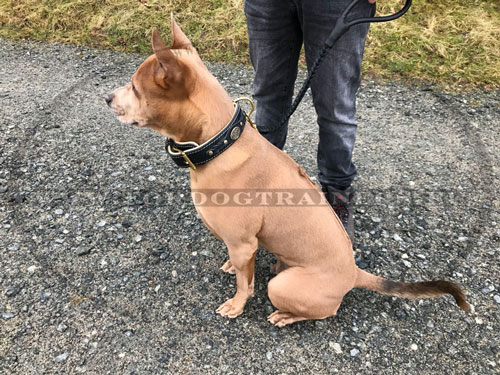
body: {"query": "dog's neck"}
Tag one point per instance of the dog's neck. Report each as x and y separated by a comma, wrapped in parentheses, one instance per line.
(215, 104)
(207, 110)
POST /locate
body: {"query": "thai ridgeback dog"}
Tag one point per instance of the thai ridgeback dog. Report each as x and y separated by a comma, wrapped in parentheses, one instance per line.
(173, 93)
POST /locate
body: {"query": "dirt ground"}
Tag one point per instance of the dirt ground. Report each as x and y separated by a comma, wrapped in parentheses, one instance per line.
(105, 267)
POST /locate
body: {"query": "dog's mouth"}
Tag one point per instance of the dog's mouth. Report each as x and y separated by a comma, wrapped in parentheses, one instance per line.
(120, 113)
(130, 122)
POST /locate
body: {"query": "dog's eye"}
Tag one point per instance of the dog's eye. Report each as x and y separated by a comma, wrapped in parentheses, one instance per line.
(134, 90)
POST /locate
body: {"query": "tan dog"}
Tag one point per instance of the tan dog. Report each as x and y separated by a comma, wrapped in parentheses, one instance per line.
(173, 93)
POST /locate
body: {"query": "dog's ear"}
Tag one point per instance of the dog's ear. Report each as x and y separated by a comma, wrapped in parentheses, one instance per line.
(161, 51)
(170, 68)
(179, 39)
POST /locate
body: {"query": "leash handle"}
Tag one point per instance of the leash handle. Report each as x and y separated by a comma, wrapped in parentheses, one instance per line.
(341, 26)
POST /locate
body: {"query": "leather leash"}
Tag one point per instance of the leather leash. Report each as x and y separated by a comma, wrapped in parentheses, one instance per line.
(340, 28)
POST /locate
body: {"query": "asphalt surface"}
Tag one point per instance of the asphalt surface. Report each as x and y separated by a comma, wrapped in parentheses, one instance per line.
(106, 269)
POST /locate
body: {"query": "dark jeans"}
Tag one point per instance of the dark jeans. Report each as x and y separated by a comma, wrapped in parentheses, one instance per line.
(276, 30)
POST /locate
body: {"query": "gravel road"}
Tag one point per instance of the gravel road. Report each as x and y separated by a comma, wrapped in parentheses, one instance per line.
(106, 269)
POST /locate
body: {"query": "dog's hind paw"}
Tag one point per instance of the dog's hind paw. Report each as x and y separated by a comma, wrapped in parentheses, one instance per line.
(280, 318)
(230, 308)
(228, 267)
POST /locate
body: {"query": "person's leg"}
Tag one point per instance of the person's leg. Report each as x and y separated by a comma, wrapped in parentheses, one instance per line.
(335, 85)
(275, 39)
(334, 95)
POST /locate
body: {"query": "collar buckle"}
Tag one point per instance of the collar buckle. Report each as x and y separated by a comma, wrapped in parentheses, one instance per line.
(184, 156)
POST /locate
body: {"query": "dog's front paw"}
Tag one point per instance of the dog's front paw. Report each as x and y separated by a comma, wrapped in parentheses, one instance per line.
(231, 308)
(228, 267)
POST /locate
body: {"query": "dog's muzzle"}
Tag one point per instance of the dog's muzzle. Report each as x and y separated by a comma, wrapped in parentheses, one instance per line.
(109, 99)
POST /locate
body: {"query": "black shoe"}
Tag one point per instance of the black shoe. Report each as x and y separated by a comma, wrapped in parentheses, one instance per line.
(342, 202)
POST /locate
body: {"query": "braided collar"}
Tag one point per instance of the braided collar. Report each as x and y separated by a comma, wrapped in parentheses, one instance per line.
(190, 154)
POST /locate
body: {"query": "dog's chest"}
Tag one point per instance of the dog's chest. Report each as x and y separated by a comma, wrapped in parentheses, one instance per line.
(204, 218)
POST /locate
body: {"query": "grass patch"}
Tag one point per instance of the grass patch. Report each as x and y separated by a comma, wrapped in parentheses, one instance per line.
(217, 28)
(453, 43)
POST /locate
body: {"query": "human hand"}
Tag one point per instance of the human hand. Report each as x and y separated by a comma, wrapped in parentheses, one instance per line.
(371, 1)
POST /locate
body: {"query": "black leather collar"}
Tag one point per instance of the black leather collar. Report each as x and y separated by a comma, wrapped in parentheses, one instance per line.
(190, 154)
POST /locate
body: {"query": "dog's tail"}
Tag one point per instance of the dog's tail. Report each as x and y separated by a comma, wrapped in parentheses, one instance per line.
(425, 289)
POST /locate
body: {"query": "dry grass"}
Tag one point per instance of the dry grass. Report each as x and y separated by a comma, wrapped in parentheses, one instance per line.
(216, 27)
(454, 43)
(451, 42)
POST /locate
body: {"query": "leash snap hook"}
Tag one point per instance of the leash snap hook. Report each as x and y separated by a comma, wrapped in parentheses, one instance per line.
(252, 109)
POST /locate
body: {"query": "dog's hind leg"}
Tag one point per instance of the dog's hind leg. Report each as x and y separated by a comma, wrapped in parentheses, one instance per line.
(242, 257)
(278, 266)
(300, 295)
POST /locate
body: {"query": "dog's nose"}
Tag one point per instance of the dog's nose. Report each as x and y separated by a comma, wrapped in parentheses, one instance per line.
(109, 99)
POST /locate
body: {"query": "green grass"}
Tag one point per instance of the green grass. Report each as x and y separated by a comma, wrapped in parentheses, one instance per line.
(453, 43)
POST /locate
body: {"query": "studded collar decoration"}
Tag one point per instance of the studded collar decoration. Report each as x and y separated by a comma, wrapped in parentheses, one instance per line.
(190, 154)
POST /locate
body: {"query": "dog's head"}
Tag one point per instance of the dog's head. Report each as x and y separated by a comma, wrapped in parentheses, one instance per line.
(169, 92)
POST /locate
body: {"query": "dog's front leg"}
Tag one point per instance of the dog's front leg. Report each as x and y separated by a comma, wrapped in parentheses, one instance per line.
(242, 257)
